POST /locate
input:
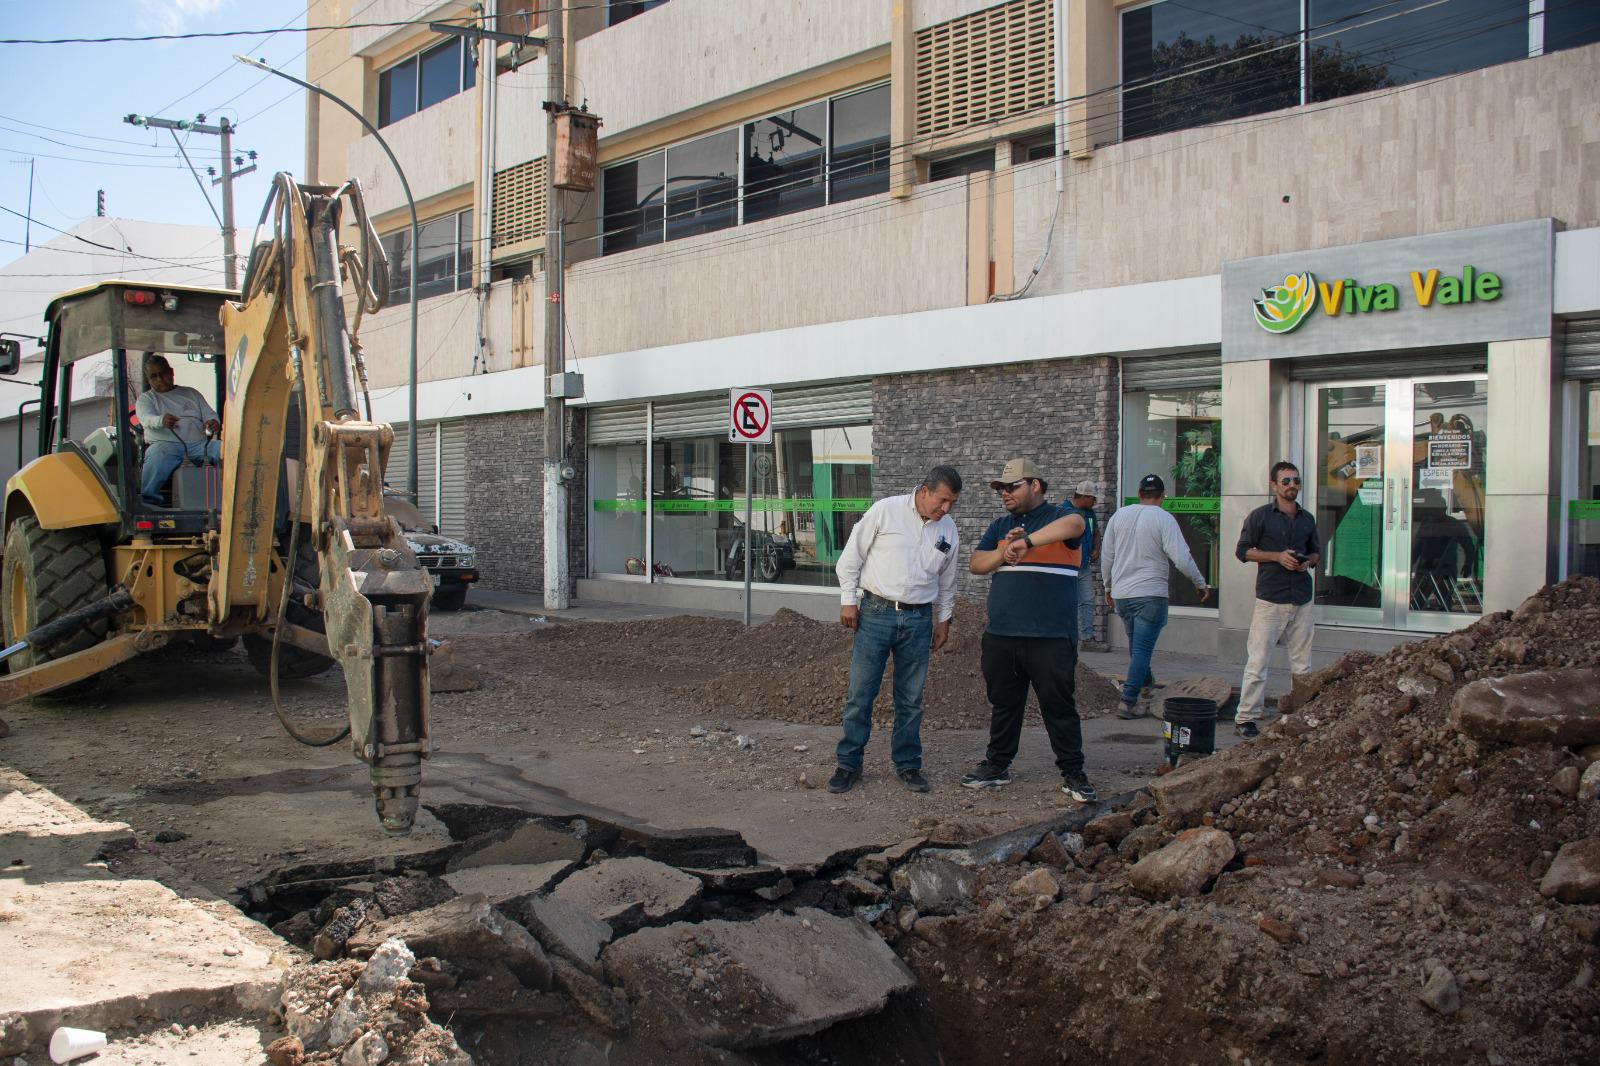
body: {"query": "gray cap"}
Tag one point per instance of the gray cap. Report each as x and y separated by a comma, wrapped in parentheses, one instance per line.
(1088, 488)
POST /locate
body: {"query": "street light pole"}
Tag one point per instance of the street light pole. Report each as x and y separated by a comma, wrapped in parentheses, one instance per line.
(557, 595)
(411, 205)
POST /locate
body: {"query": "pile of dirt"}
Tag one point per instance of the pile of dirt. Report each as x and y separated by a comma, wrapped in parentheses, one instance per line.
(1373, 893)
(794, 669)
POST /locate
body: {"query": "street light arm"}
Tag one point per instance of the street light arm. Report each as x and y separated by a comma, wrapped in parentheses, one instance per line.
(411, 205)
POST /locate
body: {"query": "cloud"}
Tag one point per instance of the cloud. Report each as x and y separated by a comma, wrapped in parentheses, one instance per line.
(178, 16)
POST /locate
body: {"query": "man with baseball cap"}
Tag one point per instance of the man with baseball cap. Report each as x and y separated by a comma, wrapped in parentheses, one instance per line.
(1082, 505)
(1032, 552)
(1137, 544)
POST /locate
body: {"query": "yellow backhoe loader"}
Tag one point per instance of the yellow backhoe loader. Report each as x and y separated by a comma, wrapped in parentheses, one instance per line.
(284, 542)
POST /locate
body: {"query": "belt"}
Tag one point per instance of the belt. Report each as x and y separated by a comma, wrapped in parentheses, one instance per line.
(897, 604)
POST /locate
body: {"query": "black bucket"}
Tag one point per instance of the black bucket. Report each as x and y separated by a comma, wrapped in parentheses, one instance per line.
(1191, 727)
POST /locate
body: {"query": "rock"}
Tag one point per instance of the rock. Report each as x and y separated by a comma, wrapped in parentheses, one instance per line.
(330, 939)
(1529, 607)
(390, 964)
(402, 895)
(1440, 993)
(1546, 706)
(1565, 781)
(1589, 782)
(1203, 786)
(1184, 867)
(936, 886)
(1417, 684)
(880, 862)
(1510, 649)
(468, 932)
(170, 836)
(1052, 851)
(1574, 876)
(1037, 883)
(774, 892)
(445, 674)
(1439, 669)
(284, 1051)
(629, 893)
(1088, 893)
(1282, 932)
(370, 1049)
(529, 844)
(860, 889)
(1108, 828)
(507, 887)
(779, 977)
(1142, 841)
(602, 1004)
(16, 1033)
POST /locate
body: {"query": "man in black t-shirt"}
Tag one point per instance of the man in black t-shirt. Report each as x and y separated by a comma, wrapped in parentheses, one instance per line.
(1033, 551)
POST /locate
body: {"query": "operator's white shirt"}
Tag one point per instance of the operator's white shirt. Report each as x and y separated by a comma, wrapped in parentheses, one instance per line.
(190, 407)
(895, 553)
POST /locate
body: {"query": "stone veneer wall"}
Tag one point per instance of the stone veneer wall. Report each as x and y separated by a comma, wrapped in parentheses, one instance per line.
(505, 499)
(1063, 415)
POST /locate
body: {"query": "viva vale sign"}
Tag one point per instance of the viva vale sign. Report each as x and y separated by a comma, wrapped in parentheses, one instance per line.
(1284, 307)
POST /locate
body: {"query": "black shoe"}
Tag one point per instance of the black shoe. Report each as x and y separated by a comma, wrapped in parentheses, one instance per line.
(913, 780)
(1248, 730)
(1128, 712)
(1077, 786)
(843, 780)
(987, 776)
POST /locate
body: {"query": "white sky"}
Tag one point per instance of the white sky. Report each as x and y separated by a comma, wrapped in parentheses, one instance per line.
(63, 106)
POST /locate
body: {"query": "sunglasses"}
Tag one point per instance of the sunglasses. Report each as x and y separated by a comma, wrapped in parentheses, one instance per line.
(1288, 481)
(1013, 487)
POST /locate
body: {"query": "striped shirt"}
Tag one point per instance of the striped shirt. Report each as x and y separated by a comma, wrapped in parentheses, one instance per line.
(1038, 596)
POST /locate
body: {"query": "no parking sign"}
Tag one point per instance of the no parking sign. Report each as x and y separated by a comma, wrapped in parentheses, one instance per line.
(750, 416)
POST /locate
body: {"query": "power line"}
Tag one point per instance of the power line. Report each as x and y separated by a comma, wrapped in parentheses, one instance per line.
(174, 165)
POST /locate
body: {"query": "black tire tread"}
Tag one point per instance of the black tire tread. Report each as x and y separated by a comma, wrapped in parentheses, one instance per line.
(68, 571)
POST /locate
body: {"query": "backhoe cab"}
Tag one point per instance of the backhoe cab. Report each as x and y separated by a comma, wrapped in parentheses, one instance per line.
(284, 542)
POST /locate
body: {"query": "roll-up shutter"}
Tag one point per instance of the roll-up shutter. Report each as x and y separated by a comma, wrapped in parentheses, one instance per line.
(427, 466)
(698, 416)
(394, 473)
(1192, 370)
(616, 425)
(453, 478)
(822, 405)
(1580, 343)
(1472, 359)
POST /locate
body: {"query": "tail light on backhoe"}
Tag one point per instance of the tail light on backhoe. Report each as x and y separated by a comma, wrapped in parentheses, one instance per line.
(139, 297)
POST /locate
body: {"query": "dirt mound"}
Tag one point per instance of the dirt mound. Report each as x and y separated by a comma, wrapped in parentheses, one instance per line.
(1383, 904)
(806, 680)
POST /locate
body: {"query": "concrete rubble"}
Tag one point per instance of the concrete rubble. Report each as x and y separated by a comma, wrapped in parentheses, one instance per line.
(1183, 867)
(1549, 706)
(629, 893)
(934, 885)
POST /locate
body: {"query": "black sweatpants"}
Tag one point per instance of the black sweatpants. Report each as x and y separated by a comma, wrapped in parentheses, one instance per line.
(1050, 665)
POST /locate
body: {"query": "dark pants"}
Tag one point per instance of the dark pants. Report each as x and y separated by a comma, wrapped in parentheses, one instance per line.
(1010, 665)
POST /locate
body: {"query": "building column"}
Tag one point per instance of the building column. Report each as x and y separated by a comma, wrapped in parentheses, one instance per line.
(1522, 534)
(1249, 448)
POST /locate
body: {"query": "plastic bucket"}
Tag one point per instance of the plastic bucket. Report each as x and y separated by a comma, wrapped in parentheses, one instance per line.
(1190, 727)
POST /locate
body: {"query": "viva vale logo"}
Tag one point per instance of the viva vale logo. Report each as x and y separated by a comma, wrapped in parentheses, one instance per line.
(1284, 308)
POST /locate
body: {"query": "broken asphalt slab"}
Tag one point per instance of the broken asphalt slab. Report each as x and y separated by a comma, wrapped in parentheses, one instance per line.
(629, 893)
(750, 984)
(1548, 706)
(101, 951)
(465, 930)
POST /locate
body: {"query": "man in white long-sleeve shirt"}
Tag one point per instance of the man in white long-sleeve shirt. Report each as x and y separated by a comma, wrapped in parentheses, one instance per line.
(1134, 550)
(897, 591)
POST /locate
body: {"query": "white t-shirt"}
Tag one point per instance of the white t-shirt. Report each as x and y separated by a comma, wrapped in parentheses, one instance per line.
(187, 404)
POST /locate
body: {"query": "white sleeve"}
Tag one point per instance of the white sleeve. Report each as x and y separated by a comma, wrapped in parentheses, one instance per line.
(947, 582)
(1178, 551)
(1108, 549)
(854, 555)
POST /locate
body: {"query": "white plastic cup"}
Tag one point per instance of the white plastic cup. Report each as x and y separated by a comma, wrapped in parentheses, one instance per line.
(67, 1043)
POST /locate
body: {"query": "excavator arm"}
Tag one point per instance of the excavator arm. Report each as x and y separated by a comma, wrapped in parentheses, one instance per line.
(288, 336)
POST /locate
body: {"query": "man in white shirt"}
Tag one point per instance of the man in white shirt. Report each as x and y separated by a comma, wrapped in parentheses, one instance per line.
(176, 421)
(1136, 546)
(897, 590)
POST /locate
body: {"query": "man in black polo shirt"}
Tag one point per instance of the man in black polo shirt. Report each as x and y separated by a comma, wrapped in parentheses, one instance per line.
(1033, 551)
(1281, 539)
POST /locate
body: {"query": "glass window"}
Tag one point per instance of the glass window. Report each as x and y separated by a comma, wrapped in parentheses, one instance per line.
(633, 202)
(616, 478)
(703, 185)
(444, 257)
(859, 136)
(623, 10)
(1353, 52)
(783, 162)
(1177, 434)
(397, 92)
(1570, 24)
(1184, 66)
(810, 488)
(1583, 511)
(440, 76)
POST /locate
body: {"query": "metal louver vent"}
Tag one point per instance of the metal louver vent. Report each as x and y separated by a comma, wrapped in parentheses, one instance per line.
(519, 213)
(988, 65)
(1580, 343)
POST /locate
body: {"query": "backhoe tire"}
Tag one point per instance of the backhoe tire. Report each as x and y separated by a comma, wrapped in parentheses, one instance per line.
(294, 663)
(449, 599)
(46, 574)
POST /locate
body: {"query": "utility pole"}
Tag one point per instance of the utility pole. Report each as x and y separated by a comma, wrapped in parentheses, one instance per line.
(556, 578)
(224, 131)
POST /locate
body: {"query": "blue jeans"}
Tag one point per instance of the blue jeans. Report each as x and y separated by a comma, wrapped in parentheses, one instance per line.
(1086, 599)
(880, 630)
(1144, 617)
(162, 457)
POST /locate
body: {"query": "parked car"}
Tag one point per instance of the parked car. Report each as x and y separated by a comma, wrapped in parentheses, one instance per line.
(453, 563)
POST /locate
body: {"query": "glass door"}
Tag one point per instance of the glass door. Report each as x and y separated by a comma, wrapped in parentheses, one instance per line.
(1397, 487)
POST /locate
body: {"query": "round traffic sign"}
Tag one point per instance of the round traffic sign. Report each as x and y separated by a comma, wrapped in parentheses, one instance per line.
(751, 415)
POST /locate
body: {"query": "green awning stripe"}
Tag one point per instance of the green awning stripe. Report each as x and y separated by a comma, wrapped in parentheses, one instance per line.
(1185, 504)
(763, 505)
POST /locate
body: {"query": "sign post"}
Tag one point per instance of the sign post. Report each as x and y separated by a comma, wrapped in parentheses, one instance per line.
(750, 422)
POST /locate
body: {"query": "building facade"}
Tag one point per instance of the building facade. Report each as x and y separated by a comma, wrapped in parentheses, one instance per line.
(1122, 238)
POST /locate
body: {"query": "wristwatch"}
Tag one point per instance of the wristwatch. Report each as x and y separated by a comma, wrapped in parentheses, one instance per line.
(1026, 539)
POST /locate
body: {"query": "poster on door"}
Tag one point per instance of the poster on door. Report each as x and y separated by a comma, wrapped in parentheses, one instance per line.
(1369, 460)
(1450, 449)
